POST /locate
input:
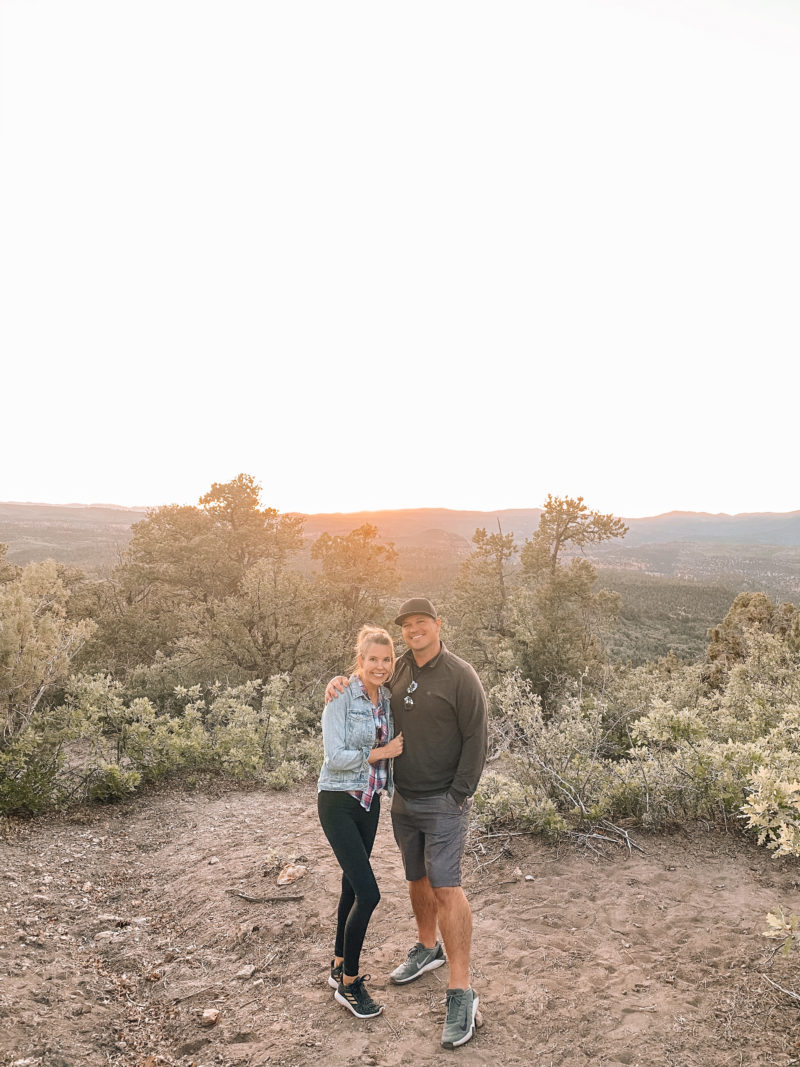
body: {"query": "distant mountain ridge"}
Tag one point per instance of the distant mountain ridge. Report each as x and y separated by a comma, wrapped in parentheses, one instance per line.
(415, 524)
(766, 528)
(759, 547)
(775, 528)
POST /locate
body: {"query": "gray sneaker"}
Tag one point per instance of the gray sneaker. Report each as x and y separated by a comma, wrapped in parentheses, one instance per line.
(459, 1026)
(420, 960)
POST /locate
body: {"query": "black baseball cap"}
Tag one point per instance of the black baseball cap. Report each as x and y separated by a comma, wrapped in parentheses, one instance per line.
(418, 605)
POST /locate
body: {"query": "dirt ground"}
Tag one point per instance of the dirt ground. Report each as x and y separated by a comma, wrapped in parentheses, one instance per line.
(120, 926)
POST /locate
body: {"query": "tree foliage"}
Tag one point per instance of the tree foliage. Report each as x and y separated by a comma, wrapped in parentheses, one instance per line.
(749, 611)
(182, 564)
(543, 615)
(250, 532)
(37, 643)
(660, 745)
(561, 622)
(566, 525)
(272, 625)
(358, 575)
(480, 608)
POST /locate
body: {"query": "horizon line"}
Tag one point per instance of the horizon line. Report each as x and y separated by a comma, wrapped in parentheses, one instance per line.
(382, 511)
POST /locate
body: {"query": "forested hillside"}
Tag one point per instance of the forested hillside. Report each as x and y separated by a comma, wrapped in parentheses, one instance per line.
(675, 573)
(762, 548)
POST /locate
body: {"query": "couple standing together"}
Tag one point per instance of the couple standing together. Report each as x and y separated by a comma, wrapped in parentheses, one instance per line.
(415, 727)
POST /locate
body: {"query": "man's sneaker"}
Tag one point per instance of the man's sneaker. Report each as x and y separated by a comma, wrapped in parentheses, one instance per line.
(357, 999)
(420, 960)
(459, 1026)
(336, 975)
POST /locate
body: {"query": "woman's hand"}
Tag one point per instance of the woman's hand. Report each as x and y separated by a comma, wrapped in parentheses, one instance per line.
(388, 751)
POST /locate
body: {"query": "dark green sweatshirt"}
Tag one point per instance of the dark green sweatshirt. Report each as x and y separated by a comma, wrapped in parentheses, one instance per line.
(445, 732)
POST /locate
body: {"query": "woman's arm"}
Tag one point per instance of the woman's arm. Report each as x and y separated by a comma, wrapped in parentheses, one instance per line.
(337, 756)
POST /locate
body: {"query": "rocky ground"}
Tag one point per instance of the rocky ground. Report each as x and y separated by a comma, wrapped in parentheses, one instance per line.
(154, 933)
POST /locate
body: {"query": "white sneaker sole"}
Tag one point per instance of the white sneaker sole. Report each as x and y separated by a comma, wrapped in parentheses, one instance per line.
(470, 1033)
(333, 983)
(428, 967)
(343, 1000)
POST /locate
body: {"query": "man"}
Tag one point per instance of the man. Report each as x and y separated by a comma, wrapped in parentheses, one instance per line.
(439, 706)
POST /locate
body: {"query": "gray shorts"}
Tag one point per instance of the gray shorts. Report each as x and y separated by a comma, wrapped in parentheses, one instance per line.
(431, 833)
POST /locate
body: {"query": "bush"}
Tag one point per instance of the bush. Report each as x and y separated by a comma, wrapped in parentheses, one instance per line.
(252, 730)
(29, 771)
(773, 811)
(728, 751)
(287, 774)
(112, 783)
(503, 802)
(102, 744)
(783, 927)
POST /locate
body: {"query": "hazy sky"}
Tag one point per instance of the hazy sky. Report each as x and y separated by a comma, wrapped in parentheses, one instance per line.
(401, 255)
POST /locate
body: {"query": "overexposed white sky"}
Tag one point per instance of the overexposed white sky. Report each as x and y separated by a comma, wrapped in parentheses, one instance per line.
(380, 255)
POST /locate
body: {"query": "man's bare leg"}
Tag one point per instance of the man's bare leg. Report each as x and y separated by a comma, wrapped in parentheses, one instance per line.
(425, 907)
(455, 922)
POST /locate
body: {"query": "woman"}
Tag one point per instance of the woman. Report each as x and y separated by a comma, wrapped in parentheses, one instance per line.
(357, 733)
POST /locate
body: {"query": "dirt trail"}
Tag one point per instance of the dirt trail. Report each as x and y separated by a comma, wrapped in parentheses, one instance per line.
(120, 926)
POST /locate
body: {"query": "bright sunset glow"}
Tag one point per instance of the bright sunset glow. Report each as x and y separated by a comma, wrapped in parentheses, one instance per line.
(417, 255)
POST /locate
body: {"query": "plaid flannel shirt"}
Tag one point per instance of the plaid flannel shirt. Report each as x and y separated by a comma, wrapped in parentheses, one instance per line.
(378, 772)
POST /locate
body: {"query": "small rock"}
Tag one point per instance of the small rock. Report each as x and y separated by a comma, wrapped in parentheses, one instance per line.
(246, 972)
(213, 860)
(528, 877)
(210, 1017)
(290, 873)
(517, 872)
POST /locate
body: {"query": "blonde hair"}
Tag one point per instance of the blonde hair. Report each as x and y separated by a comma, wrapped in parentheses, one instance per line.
(371, 635)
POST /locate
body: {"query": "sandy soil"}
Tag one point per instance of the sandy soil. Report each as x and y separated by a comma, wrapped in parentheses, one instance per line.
(122, 925)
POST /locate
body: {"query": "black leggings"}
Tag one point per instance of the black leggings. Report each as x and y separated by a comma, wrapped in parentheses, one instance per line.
(351, 832)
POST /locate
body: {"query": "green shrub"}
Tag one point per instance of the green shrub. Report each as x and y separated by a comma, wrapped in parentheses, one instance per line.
(783, 927)
(734, 750)
(502, 802)
(287, 774)
(101, 744)
(29, 773)
(773, 811)
(112, 783)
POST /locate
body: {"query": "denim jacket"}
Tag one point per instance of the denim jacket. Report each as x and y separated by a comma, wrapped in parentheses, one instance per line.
(348, 734)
